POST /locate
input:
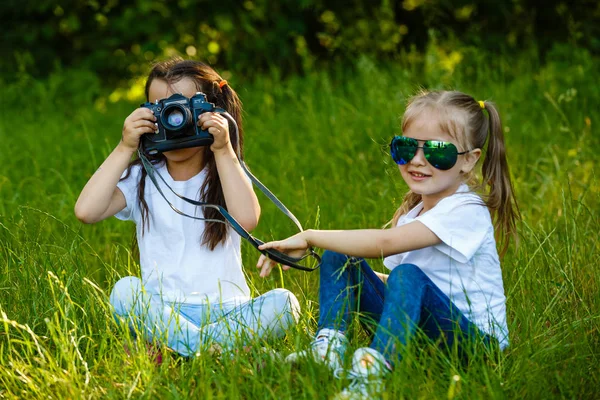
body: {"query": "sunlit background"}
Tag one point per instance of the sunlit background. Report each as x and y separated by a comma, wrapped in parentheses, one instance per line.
(324, 84)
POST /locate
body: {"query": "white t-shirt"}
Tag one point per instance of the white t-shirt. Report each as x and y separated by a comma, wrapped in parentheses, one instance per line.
(172, 259)
(465, 266)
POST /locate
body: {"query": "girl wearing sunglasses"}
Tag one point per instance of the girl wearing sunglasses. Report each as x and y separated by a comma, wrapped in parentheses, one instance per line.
(445, 277)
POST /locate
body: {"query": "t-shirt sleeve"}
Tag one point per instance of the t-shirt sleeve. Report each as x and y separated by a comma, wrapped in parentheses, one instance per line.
(128, 187)
(462, 223)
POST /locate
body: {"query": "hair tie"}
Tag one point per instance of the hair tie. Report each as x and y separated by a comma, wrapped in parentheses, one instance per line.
(222, 83)
(481, 104)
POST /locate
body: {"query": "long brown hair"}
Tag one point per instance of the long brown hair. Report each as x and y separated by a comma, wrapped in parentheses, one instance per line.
(207, 81)
(464, 118)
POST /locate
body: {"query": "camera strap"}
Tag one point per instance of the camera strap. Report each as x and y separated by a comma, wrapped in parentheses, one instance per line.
(273, 254)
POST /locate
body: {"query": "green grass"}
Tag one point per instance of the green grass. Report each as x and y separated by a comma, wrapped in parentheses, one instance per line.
(319, 142)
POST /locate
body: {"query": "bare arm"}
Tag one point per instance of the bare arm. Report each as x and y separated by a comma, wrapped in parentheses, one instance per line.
(240, 198)
(374, 243)
(100, 197)
(367, 243)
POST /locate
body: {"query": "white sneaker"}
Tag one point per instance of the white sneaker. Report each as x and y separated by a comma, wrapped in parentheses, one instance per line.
(368, 369)
(328, 347)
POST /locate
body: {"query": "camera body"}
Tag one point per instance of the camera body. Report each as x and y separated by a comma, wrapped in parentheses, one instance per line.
(177, 123)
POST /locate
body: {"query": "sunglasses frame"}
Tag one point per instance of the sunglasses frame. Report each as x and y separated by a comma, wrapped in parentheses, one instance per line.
(426, 151)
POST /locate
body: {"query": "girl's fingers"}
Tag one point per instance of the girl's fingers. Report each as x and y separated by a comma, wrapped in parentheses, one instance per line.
(268, 245)
(206, 123)
(265, 264)
(139, 131)
(140, 123)
(260, 261)
(213, 124)
(211, 117)
(266, 268)
(214, 130)
(147, 129)
(149, 114)
(144, 112)
(136, 133)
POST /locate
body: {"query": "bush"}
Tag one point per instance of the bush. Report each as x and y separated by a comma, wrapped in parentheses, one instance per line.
(116, 39)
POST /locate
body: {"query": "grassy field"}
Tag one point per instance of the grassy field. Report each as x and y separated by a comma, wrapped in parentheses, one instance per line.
(319, 142)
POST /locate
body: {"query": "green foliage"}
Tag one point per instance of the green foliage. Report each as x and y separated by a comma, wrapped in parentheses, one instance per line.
(319, 142)
(118, 39)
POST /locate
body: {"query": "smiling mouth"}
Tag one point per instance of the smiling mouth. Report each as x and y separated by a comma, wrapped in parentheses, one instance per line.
(418, 175)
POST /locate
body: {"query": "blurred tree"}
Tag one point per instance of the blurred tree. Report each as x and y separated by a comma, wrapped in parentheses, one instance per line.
(116, 39)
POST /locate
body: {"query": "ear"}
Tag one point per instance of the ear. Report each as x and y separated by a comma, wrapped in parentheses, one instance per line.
(470, 159)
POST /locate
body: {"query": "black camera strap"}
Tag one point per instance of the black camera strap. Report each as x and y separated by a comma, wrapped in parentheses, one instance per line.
(273, 254)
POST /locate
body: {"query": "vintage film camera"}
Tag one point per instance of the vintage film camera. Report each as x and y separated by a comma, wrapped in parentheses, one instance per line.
(177, 118)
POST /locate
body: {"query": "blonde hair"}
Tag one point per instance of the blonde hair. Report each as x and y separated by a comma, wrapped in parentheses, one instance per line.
(463, 118)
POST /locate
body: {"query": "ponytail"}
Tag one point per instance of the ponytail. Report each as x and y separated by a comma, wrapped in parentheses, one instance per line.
(500, 198)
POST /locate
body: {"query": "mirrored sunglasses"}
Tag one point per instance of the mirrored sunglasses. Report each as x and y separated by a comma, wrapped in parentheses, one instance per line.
(441, 155)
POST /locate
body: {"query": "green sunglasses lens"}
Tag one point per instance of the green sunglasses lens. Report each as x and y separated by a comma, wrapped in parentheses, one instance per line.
(441, 155)
(403, 149)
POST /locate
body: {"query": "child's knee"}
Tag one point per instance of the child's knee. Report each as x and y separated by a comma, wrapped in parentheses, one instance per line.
(287, 304)
(405, 275)
(280, 306)
(124, 293)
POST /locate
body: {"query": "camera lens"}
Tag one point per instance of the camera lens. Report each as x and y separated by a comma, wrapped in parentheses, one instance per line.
(175, 118)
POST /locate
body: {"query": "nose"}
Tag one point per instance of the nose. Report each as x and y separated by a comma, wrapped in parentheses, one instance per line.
(419, 158)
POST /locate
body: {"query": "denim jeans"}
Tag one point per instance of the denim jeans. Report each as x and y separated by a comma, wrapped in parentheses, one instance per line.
(394, 310)
(190, 328)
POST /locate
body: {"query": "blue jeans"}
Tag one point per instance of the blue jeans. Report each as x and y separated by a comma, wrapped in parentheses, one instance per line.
(190, 328)
(392, 310)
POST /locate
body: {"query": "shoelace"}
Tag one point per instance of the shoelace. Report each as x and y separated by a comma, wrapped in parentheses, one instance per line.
(331, 344)
(320, 341)
(339, 373)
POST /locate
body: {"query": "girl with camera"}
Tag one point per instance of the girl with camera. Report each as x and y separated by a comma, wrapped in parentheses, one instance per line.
(192, 293)
(445, 277)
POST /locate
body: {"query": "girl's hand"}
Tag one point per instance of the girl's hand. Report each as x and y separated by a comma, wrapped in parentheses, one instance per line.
(217, 126)
(294, 246)
(140, 121)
